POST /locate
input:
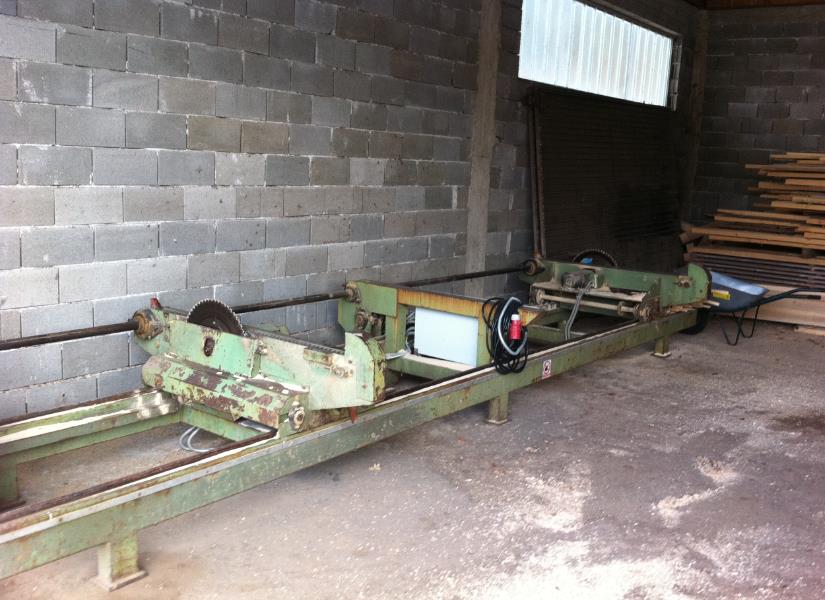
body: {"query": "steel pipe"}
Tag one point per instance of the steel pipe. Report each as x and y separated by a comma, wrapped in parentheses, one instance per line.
(132, 325)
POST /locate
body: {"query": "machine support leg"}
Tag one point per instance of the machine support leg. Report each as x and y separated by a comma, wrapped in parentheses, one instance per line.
(117, 563)
(662, 347)
(498, 409)
(9, 497)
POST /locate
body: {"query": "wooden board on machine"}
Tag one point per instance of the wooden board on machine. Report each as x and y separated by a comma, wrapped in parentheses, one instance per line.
(781, 239)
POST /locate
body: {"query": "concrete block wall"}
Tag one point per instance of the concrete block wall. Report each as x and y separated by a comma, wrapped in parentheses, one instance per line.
(244, 150)
(764, 92)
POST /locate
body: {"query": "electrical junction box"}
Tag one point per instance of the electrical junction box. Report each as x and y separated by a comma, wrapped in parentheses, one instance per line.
(446, 336)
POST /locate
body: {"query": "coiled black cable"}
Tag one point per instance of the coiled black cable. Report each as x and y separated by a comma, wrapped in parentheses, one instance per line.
(497, 313)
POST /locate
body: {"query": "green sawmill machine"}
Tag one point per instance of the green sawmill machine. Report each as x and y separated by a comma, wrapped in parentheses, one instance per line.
(282, 404)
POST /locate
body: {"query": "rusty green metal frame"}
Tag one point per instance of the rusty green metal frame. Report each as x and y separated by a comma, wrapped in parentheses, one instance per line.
(111, 519)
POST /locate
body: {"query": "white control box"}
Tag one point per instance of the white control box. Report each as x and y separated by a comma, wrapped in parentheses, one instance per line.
(446, 336)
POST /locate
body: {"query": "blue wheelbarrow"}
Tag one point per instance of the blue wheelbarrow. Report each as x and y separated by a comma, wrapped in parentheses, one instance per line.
(736, 298)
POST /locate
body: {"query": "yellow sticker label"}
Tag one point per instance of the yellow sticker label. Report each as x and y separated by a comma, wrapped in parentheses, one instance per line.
(721, 294)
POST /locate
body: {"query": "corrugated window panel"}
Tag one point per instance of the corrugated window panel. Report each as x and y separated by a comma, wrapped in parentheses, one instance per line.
(570, 44)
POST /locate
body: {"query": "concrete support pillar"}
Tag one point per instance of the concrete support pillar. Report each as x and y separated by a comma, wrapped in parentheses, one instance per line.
(482, 142)
(498, 410)
(117, 563)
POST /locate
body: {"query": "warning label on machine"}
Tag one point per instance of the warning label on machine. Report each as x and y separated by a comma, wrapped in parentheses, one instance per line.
(547, 368)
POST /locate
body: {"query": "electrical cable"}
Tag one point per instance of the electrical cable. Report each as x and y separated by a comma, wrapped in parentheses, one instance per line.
(568, 326)
(186, 438)
(497, 313)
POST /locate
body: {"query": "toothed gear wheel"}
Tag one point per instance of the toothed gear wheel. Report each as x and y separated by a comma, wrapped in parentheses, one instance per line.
(215, 315)
(597, 254)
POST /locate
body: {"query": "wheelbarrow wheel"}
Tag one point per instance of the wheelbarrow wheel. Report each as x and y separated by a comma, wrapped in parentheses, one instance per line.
(702, 320)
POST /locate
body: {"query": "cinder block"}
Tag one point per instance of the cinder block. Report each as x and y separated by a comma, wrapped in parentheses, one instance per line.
(304, 201)
(128, 16)
(346, 256)
(275, 11)
(341, 199)
(378, 200)
(95, 355)
(447, 149)
(92, 281)
(221, 64)
(262, 264)
(52, 246)
(186, 238)
(293, 44)
(311, 79)
(179, 22)
(8, 165)
(90, 127)
(239, 169)
(266, 72)
(367, 171)
(54, 84)
(366, 227)
(417, 146)
(400, 172)
(154, 55)
(373, 59)
(309, 140)
(117, 310)
(306, 259)
(208, 203)
(355, 86)
(442, 198)
(76, 12)
(385, 145)
(240, 101)
(243, 34)
(29, 287)
(9, 324)
(355, 25)
(120, 242)
(377, 7)
(30, 40)
(329, 171)
(187, 96)
(113, 383)
(234, 294)
(301, 317)
(329, 229)
(295, 108)
(213, 269)
(287, 287)
(398, 225)
(84, 205)
(333, 112)
(212, 133)
(8, 80)
(91, 48)
(9, 249)
(442, 246)
(60, 393)
(248, 202)
(388, 90)
(57, 317)
(30, 366)
(55, 165)
(153, 130)
(349, 142)
(125, 167)
(241, 234)
(26, 206)
(152, 204)
(125, 90)
(404, 118)
(287, 170)
(186, 168)
(26, 123)
(326, 283)
(409, 198)
(315, 16)
(333, 51)
(13, 403)
(281, 233)
(156, 275)
(264, 138)
(272, 202)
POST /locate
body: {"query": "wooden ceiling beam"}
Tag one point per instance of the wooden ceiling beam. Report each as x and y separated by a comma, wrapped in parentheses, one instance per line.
(729, 4)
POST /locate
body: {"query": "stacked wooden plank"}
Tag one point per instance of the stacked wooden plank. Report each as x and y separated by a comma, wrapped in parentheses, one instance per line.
(780, 241)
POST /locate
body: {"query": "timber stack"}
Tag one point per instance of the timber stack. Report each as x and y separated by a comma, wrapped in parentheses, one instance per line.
(780, 241)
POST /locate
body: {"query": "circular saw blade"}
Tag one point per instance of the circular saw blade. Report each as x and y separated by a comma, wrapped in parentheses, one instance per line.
(215, 315)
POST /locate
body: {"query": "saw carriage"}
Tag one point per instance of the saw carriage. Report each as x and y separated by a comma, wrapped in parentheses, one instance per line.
(409, 355)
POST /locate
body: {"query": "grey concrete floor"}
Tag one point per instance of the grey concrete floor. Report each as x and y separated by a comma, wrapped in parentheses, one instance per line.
(699, 476)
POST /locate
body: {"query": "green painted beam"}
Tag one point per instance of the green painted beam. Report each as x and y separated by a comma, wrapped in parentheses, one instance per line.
(46, 536)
